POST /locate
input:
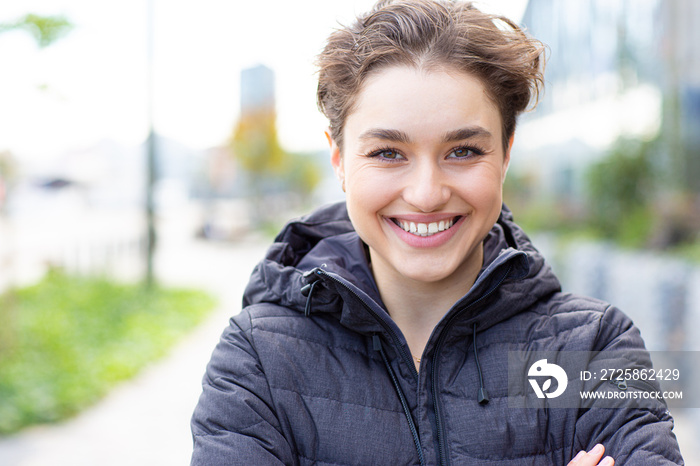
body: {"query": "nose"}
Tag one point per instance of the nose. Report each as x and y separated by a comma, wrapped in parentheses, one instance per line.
(427, 188)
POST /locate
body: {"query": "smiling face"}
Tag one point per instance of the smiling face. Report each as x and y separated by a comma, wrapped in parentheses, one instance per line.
(423, 166)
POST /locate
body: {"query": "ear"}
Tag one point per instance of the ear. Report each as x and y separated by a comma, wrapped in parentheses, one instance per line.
(336, 156)
(506, 157)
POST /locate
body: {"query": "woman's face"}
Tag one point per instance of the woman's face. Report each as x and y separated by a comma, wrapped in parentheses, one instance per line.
(423, 167)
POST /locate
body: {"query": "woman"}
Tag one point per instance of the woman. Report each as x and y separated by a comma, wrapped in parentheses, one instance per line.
(377, 331)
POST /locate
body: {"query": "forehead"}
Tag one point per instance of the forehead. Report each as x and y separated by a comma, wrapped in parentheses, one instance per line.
(421, 102)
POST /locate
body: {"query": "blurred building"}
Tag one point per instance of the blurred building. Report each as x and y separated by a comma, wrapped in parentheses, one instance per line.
(681, 47)
(615, 68)
(257, 89)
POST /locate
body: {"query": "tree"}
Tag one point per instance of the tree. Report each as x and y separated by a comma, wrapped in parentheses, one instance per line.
(303, 174)
(622, 188)
(255, 143)
(256, 147)
(270, 168)
(45, 29)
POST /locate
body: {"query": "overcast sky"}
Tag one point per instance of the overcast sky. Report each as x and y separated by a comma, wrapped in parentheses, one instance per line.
(93, 83)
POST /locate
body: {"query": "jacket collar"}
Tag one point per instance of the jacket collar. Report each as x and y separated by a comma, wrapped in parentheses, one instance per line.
(324, 246)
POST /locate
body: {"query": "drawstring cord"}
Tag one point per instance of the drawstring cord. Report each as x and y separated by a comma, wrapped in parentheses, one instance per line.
(376, 342)
(483, 396)
(308, 291)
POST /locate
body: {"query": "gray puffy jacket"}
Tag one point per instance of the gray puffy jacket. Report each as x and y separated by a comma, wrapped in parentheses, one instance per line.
(314, 371)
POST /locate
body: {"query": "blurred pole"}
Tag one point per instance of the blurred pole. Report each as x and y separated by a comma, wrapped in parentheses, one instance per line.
(150, 158)
(672, 112)
(674, 98)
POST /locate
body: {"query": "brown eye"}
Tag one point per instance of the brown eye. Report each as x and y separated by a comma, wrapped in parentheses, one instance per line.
(465, 152)
(389, 154)
(461, 152)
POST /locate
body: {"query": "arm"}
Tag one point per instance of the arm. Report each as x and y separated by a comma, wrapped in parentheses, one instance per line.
(234, 421)
(630, 435)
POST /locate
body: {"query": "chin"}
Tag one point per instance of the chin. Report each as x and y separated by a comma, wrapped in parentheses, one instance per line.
(427, 276)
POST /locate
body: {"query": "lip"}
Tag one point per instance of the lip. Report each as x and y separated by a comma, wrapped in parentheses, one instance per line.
(426, 218)
(433, 241)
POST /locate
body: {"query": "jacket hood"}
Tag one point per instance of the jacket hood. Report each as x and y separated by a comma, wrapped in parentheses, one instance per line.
(325, 244)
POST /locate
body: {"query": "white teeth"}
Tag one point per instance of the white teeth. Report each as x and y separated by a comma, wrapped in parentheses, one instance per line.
(425, 229)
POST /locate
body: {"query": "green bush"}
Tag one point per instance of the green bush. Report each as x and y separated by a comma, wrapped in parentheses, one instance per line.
(621, 188)
(66, 341)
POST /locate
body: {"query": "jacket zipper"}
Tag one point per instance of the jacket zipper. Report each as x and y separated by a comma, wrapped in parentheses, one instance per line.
(438, 346)
(407, 359)
(378, 346)
(376, 341)
(394, 337)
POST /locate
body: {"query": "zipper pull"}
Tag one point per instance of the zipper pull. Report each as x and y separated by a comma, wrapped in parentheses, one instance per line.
(621, 384)
(311, 278)
(376, 343)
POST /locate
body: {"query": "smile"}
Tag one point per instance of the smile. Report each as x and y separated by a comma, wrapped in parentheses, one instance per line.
(425, 229)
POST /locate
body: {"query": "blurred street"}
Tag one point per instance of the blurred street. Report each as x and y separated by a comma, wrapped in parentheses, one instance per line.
(146, 421)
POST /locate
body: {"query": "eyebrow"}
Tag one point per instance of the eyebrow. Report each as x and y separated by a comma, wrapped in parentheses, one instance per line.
(395, 135)
(386, 134)
(465, 133)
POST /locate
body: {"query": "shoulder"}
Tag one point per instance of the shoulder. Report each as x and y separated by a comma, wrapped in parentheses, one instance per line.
(612, 326)
(271, 328)
(581, 323)
(263, 314)
(256, 320)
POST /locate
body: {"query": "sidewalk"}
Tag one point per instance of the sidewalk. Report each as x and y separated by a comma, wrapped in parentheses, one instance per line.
(145, 422)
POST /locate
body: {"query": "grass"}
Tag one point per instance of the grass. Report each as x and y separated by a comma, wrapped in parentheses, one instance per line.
(66, 341)
(688, 251)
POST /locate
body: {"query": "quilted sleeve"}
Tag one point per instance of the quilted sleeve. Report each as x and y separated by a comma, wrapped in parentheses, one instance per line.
(234, 421)
(630, 435)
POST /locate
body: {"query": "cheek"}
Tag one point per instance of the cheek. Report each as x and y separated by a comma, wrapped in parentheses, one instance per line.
(482, 189)
(367, 193)
(369, 187)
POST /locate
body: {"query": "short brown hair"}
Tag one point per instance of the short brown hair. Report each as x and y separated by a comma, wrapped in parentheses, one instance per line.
(425, 34)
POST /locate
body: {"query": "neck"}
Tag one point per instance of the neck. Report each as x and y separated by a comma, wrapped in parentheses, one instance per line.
(417, 306)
